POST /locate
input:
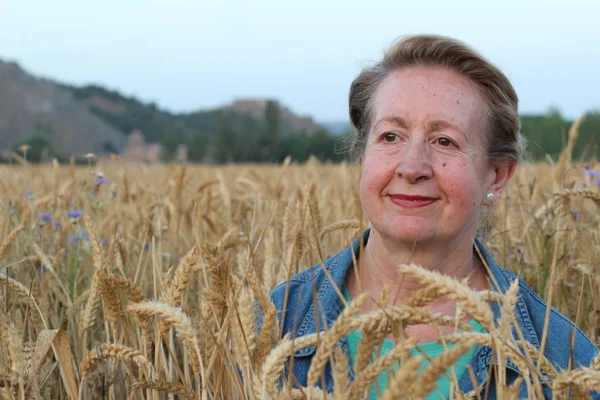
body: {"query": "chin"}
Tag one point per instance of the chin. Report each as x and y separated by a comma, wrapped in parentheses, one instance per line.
(409, 233)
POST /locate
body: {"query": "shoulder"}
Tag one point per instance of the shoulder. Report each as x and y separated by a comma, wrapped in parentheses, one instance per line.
(561, 330)
(294, 298)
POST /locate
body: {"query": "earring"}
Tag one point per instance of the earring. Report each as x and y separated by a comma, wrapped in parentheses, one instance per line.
(490, 197)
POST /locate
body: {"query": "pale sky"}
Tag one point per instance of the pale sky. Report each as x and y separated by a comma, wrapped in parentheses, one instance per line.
(187, 55)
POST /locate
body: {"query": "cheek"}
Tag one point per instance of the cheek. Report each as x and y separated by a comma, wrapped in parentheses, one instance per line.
(374, 178)
(462, 184)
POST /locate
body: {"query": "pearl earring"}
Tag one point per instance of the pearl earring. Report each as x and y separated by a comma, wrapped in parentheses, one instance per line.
(490, 197)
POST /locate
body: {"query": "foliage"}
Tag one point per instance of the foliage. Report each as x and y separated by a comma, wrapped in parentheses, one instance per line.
(169, 143)
(547, 135)
(39, 147)
(272, 130)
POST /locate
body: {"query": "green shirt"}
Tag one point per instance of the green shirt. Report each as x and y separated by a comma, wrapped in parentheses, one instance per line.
(432, 349)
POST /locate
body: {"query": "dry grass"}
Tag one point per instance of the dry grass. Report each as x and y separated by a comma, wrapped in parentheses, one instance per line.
(150, 294)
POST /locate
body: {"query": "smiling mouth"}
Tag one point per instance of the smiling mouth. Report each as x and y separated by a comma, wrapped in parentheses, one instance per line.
(411, 201)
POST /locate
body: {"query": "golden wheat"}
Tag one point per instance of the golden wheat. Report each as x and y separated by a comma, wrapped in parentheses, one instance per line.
(197, 249)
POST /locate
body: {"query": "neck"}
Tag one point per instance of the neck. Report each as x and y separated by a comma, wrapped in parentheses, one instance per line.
(382, 256)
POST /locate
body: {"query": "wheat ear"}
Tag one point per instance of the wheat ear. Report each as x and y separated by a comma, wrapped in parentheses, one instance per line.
(461, 293)
(166, 386)
(330, 338)
(365, 377)
(9, 239)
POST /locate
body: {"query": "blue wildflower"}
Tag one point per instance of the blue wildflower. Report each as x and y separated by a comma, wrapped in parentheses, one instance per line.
(82, 235)
(591, 173)
(75, 214)
(101, 180)
(101, 241)
(57, 225)
(146, 246)
(40, 266)
(45, 217)
(113, 194)
(598, 182)
(28, 195)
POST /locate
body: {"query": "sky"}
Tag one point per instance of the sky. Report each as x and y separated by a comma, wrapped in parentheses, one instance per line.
(186, 55)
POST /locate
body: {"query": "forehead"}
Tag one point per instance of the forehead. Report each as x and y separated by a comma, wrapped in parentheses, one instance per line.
(420, 94)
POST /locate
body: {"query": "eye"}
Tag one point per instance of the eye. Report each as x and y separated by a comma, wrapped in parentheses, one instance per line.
(445, 142)
(389, 137)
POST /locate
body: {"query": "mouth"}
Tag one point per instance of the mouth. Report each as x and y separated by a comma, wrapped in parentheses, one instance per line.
(411, 201)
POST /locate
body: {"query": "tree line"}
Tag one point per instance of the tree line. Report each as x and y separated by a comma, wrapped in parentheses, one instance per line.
(252, 140)
(247, 139)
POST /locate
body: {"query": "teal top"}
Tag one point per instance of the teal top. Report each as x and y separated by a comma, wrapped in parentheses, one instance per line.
(432, 349)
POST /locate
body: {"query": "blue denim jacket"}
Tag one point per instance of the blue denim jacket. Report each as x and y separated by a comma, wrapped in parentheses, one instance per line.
(299, 319)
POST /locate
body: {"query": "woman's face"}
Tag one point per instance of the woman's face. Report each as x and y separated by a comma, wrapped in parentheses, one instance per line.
(425, 172)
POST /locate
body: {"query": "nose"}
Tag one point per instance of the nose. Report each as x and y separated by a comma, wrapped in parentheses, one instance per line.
(415, 164)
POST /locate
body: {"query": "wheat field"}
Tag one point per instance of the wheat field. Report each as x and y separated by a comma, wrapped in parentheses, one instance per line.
(143, 282)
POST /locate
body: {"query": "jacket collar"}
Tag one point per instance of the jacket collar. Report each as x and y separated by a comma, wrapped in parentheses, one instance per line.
(330, 306)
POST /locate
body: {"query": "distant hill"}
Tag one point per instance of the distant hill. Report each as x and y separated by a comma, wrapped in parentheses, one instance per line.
(91, 118)
(28, 104)
(129, 113)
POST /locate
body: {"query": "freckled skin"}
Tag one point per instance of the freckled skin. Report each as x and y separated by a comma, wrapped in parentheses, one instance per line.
(419, 161)
(424, 142)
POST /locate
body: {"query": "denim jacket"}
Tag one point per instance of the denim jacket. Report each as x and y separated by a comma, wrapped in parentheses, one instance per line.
(299, 319)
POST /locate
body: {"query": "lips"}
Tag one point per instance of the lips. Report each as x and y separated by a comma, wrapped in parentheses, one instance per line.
(412, 201)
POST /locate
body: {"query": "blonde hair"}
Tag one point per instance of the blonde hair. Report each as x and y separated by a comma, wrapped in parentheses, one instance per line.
(504, 142)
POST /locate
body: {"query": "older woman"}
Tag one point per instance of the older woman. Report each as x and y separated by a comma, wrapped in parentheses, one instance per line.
(437, 136)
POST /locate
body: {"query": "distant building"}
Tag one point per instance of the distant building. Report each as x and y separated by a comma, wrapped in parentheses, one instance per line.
(256, 108)
(138, 151)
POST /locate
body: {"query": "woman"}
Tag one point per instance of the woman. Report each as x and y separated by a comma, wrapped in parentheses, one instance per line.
(437, 137)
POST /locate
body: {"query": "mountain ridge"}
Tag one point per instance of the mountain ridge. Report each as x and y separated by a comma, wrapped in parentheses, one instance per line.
(92, 118)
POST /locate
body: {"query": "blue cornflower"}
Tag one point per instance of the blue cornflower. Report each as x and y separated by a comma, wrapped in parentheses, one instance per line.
(28, 195)
(592, 173)
(81, 236)
(75, 214)
(40, 266)
(45, 217)
(101, 180)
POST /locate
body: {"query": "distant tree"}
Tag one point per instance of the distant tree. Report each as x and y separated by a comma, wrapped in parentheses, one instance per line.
(224, 139)
(272, 129)
(296, 146)
(546, 133)
(39, 147)
(169, 144)
(319, 145)
(588, 144)
(197, 146)
(109, 147)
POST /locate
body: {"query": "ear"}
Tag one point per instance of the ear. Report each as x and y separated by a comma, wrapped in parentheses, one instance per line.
(500, 175)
